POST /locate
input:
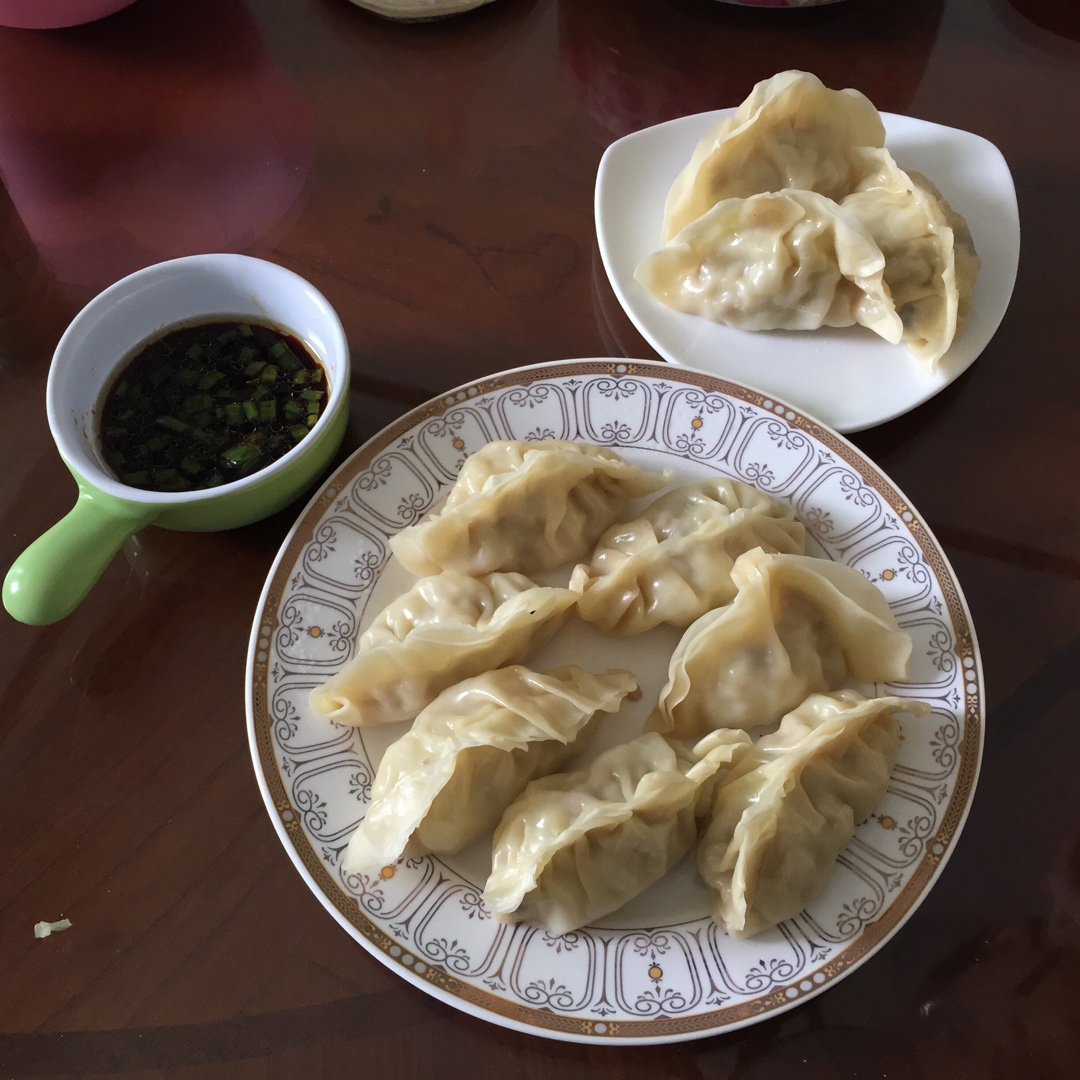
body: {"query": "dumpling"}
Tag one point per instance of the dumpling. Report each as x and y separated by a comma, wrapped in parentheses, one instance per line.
(470, 753)
(575, 847)
(791, 132)
(790, 805)
(446, 628)
(797, 625)
(930, 259)
(526, 507)
(787, 260)
(673, 563)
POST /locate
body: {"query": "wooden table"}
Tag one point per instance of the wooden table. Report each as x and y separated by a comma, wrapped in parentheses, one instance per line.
(435, 182)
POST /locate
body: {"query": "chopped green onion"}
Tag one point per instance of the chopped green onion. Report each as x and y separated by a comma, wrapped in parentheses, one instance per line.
(241, 456)
(198, 403)
(210, 380)
(286, 357)
(203, 438)
(240, 393)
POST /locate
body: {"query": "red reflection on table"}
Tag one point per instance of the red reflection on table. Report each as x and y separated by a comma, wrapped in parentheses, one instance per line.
(152, 134)
(635, 65)
(1060, 17)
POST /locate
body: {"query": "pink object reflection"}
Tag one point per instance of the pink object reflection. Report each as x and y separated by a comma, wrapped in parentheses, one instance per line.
(166, 133)
(51, 14)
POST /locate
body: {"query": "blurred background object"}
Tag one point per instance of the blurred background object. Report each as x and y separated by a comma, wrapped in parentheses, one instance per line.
(52, 14)
(418, 9)
(780, 3)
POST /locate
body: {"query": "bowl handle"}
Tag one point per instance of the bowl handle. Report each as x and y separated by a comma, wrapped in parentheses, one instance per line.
(53, 575)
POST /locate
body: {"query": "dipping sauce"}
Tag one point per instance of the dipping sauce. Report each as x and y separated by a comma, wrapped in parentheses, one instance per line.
(210, 403)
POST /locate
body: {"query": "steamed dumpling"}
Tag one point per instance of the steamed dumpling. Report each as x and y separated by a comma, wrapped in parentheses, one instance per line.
(673, 563)
(446, 628)
(471, 752)
(930, 259)
(791, 132)
(787, 260)
(526, 507)
(790, 805)
(797, 625)
(575, 847)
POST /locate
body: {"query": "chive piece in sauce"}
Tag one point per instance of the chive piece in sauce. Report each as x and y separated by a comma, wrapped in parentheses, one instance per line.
(207, 404)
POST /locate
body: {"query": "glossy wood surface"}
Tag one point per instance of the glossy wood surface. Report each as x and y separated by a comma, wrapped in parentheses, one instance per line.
(435, 182)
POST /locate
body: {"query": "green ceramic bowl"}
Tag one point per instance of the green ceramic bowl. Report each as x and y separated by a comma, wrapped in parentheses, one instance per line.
(50, 578)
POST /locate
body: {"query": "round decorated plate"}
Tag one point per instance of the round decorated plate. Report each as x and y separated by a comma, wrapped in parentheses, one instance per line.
(659, 969)
(847, 377)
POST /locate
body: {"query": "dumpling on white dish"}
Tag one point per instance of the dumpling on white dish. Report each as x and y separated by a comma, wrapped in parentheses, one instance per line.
(470, 753)
(576, 846)
(798, 625)
(446, 628)
(930, 260)
(789, 806)
(791, 132)
(784, 260)
(525, 507)
(673, 562)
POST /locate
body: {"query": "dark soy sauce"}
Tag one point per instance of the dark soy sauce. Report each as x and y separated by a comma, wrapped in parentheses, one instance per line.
(207, 404)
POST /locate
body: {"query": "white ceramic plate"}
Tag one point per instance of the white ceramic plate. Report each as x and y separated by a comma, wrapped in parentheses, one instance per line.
(849, 378)
(658, 970)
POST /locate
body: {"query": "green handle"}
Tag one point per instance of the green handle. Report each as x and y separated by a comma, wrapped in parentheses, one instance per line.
(52, 576)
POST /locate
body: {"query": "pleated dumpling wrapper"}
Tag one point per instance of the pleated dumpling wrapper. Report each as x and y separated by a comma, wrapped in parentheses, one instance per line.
(798, 625)
(575, 847)
(470, 753)
(789, 806)
(791, 132)
(673, 563)
(930, 260)
(446, 628)
(525, 507)
(785, 260)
